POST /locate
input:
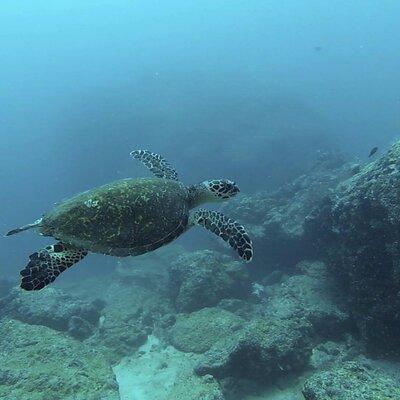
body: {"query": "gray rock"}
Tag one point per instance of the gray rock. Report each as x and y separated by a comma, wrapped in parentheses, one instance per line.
(356, 229)
(121, 335)
(351, 381)
(293, 317)
(328, 353)
(131, 314)
(262, 349)
(50, 307)
(79, 328)
(40, 363)
(241, 308)
(202, 278)
(311, 296)
(198, 331)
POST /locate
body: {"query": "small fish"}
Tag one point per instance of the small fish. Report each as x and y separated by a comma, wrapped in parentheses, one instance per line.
(318, 48)
(373, 151)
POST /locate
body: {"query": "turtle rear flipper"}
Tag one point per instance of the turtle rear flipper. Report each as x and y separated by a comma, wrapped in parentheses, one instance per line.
(228, 229)
(45, 265)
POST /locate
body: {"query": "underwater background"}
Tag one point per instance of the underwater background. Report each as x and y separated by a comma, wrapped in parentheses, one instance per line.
(286, 98)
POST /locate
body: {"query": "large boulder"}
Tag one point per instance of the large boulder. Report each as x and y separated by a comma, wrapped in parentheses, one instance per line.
(311, 295)
(38, 363)
(356, 229)
(352, 381)
(203, 278)
(294, 315)
(261, 350)
(197, 332)
(130, 315)
(328, 353)
(55, 309)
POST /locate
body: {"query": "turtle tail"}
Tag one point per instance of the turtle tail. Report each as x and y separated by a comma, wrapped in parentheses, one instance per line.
(24, 228)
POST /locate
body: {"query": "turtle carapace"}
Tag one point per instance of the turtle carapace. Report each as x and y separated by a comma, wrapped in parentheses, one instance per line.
(129, 217)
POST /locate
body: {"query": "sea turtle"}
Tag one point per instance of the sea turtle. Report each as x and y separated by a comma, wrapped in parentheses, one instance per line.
(129, 217)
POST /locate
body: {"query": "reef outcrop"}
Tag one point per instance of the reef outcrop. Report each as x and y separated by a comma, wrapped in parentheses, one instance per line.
(356, 229)
(352, 381)
(203, 278)
(38, 363)
(292, 317)
(275, 220)
(55, 309)
(260, 351)
(199, 331)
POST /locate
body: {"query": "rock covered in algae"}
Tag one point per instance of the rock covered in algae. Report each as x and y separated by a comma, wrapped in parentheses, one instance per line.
(328, 353)
(130, 314)
(39, 363)
(202, 278)
(357, 230)
(311, 295)
(53, 308)
(192, 387)
(197, 332)
(352, 381)
(264, 348)
(294, 316)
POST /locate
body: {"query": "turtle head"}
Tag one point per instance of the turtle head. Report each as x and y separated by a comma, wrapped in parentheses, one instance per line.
(212, 191)
(221, 189)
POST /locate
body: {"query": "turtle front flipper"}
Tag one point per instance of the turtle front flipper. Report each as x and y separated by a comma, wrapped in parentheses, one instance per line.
(156, 164)
(45, 265)
(228, 229)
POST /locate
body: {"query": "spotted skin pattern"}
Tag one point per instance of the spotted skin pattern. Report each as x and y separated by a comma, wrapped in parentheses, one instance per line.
(222, 188)
(156, 164)
(228, 229)
(45, 265)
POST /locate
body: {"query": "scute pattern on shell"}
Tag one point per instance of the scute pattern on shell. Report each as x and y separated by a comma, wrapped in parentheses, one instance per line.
(123, 218)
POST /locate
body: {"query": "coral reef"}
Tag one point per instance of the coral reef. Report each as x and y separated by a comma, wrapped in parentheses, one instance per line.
(55, 309)
(357, 229)
(310, 295)
(296, 324)
(198, 331)
(40, 363)
(352, 381)
(203, 278)
(259, 351)
(328, 353)
(295, 314)
(133, 307)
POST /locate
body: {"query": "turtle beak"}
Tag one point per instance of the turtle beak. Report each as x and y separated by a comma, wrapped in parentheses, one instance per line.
(233, 188)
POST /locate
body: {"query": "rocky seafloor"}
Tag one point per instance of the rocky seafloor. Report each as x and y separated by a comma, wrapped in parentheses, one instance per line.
(314, 317)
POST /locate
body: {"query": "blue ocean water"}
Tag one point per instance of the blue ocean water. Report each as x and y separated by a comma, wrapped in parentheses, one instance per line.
(286, 99)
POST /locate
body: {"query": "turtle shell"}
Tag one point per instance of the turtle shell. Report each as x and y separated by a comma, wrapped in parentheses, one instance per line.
(125, 217)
